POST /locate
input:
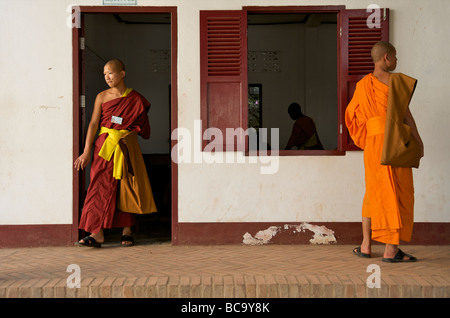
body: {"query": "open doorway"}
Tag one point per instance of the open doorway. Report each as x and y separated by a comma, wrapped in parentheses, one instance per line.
(143, 42)
(293, 58)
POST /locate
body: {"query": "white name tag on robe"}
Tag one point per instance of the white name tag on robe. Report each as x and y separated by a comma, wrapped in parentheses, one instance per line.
(116, 120)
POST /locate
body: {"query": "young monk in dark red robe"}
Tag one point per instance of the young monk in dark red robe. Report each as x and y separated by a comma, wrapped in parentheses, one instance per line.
(117, 110)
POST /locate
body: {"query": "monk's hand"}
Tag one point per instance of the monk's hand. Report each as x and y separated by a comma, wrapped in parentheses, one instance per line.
(82, 161)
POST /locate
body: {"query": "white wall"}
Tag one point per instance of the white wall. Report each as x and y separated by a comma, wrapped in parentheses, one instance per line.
(36, 130)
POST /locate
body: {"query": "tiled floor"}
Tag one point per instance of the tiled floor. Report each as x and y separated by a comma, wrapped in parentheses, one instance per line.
(158, 269)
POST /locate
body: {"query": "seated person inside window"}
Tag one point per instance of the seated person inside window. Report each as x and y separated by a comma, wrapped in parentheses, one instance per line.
(304, 134)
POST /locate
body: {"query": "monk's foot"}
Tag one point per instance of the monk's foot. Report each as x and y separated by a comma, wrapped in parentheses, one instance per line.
(397, 256)
(93, 240)
(359, 251)
(89, 241)
(127, 239)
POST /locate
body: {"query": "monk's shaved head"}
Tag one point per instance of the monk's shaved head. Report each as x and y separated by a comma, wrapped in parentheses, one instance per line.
(380, 49)
(116, 64)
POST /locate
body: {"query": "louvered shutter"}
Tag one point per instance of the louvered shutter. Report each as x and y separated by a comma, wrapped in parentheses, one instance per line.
(356, 43)
(223, 72)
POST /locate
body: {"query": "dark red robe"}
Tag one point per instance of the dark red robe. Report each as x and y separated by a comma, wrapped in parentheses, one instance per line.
(304, 128)
(99, 211)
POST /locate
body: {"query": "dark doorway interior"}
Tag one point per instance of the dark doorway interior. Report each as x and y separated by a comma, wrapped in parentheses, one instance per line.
(143, 43)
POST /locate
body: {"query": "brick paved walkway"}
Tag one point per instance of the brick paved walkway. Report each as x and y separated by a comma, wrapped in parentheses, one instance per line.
(155, 269)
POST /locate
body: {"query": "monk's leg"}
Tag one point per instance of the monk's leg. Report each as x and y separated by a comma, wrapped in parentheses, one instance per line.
(366, 243)
(390, 250)
(126, 230)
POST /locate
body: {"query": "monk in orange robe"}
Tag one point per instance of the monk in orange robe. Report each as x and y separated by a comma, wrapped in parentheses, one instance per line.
(121, 109)
(388, 206)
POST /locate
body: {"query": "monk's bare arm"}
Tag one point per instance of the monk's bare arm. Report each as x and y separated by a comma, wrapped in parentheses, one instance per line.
(85, 157)
(409, 120)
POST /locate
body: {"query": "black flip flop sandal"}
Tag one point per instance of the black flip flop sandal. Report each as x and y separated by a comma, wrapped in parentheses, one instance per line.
(89, 241)
(127, 238)
(357, 252)
(399, 258)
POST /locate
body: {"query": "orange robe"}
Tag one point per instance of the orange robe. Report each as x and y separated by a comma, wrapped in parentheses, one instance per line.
(389, 197)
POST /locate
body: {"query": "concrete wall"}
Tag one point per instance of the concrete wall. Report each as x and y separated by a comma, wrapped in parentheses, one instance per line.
(36, 131)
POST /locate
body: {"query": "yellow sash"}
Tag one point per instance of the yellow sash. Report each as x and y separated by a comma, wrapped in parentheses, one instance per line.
(127, 91)
(111, 146)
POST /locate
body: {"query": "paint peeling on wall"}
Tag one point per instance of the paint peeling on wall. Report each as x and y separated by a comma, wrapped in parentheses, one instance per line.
(322, 235)
(262, 237)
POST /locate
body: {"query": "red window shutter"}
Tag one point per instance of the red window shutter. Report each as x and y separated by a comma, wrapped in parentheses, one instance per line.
(355, 61)
(223, 76)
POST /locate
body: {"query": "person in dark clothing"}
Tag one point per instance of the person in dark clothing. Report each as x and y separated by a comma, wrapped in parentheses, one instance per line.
(304, 133)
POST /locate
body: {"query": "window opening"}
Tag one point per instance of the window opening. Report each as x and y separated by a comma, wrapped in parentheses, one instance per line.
(294, 56)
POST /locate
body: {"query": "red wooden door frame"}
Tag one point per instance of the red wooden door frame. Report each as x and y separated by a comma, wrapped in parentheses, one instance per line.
(78, 87)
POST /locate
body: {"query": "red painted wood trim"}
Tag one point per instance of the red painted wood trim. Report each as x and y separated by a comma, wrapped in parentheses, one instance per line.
(127, 9)
(174, 119)
(76, 176)
(344, 232)
(293, 9)
(13, 236)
